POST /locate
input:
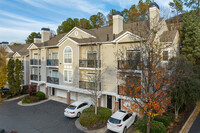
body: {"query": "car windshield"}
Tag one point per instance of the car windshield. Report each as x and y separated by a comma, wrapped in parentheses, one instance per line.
(72, 107)
(114, 121)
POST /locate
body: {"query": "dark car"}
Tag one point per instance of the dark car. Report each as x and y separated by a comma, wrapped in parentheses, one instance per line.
(4, 90)
(2, 131)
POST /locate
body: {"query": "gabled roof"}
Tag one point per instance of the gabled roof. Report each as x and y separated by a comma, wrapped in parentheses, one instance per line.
(168, 36)
(20, 49)
(16, 48)
(52, 42)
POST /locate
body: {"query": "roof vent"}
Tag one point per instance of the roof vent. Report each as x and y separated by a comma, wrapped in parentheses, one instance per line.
(113, 36)
(107, 37)
(154, 4)
(46, 29)
(39, 37)
(4, 43)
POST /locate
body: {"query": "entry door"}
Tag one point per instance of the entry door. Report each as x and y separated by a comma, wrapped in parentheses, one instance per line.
(119, 100)
(109, 101)
(53, 92)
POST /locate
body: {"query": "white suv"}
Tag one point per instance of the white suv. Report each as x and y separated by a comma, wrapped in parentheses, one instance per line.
(120, 121)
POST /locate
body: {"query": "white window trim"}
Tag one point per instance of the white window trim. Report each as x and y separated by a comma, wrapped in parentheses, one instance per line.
(54, 70)
(34, 56)
(93, 51)
(53, 53)
(67, 75)
(64, 55)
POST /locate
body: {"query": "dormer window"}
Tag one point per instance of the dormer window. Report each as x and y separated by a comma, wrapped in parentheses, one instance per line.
(68, 55)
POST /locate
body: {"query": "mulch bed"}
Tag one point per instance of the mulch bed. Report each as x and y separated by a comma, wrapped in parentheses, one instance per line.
(175, 127)
(98, 126)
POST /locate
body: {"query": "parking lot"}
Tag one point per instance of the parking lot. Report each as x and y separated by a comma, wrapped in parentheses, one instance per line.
(43, 118)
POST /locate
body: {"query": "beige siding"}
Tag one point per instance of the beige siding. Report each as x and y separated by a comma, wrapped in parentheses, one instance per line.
(74, 66)
(80, 34)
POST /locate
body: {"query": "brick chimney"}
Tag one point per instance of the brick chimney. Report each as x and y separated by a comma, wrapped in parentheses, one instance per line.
(45, 34)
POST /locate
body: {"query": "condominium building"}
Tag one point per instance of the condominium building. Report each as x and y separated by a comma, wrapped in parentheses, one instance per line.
(66, 65)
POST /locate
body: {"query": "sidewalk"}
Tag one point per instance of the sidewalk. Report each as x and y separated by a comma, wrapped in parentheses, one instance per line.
(191, 119)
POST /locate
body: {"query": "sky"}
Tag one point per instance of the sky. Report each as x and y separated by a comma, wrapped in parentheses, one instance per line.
(18, 18)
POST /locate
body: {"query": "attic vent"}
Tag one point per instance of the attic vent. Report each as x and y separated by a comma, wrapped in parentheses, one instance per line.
(107, 37)
(113, 36)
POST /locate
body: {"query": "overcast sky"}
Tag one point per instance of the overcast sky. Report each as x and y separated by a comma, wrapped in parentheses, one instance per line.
(18, 18)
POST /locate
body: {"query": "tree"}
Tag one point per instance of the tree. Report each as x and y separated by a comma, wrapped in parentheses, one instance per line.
(110, 16)
(84, 23)
(133, 14)
(3, 69)
(144, 79)
(98, 20)
(11, 76)
(191, 37)
(30, 38)
(185, 88)
(194, 4)
(178, 6)
(125, 14)
(66, 26)
(18, 76)
(94, 79)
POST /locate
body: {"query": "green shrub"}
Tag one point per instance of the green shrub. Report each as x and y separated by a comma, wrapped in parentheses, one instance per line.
(30, 99)
(26, 100)
(89, 119)
(164, 119)
(156, 127)
(40, 95)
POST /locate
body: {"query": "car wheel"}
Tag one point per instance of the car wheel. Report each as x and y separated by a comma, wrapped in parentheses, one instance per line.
(136, 118)
(125, 129)
(78, 114)
(91, 105)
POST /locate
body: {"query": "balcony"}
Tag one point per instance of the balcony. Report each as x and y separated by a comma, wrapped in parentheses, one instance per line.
(53, 80)
(88, 85)
(129, 64)
(89, 63)
(52, 62)
(35, 62)
(35, 77)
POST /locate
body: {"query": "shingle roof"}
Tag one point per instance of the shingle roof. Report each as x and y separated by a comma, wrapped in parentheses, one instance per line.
(52, 42)
(15, 48)
(138, 28)
(168, 36)
(24, 50)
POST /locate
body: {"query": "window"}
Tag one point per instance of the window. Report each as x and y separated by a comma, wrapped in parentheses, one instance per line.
(55, 73)
(35, 55)
(165, 55)
(91, 77)
(92, 59)
(133, 55)
(68, 76)
(126, 117)
(54, 55)
(68, 55)
(35, 71)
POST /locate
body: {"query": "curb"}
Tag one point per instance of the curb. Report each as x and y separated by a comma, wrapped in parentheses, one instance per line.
(12, 99)
(79, 126)
(32, 104)
(84, 129)
(190, 120)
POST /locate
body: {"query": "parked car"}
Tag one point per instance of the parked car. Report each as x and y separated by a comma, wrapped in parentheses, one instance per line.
(4, 90)
(2, 130)
(120, 121)
(75, 109)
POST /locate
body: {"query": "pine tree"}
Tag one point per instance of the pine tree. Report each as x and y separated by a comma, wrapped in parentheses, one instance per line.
(11, 76)
(191, 37)
(3, 69)
(18, 75)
